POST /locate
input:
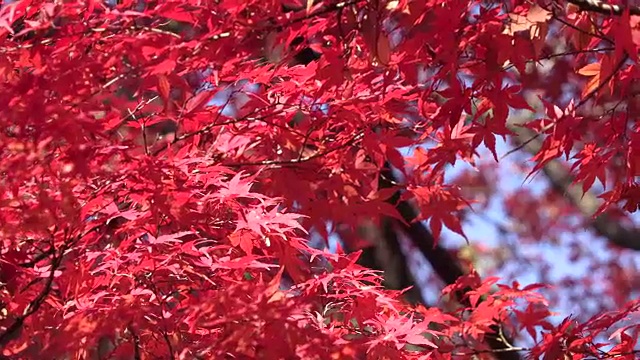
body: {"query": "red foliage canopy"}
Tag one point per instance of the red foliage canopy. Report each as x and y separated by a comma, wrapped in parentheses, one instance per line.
(163, 163)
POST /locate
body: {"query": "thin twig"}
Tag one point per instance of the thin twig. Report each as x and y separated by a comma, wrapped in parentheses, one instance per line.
(490, 351)
(591, 94)
(568, 53)
(523, 144)
(564, 22)
(315, 155)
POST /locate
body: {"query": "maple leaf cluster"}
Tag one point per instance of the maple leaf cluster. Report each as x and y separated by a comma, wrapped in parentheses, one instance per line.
(165, 164)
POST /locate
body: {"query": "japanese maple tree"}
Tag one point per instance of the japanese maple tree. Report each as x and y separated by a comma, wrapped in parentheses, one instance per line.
(174, 175)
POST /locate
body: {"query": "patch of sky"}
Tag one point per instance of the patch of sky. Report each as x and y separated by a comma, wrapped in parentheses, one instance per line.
(231, 97)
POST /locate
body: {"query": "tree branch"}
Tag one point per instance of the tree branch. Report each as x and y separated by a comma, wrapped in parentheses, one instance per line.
(587, 203)
(604, 8)
(442, 261)
(13, 329)
(386, 255)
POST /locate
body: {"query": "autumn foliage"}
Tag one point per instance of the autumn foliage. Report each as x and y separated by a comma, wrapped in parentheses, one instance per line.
(175, 173)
